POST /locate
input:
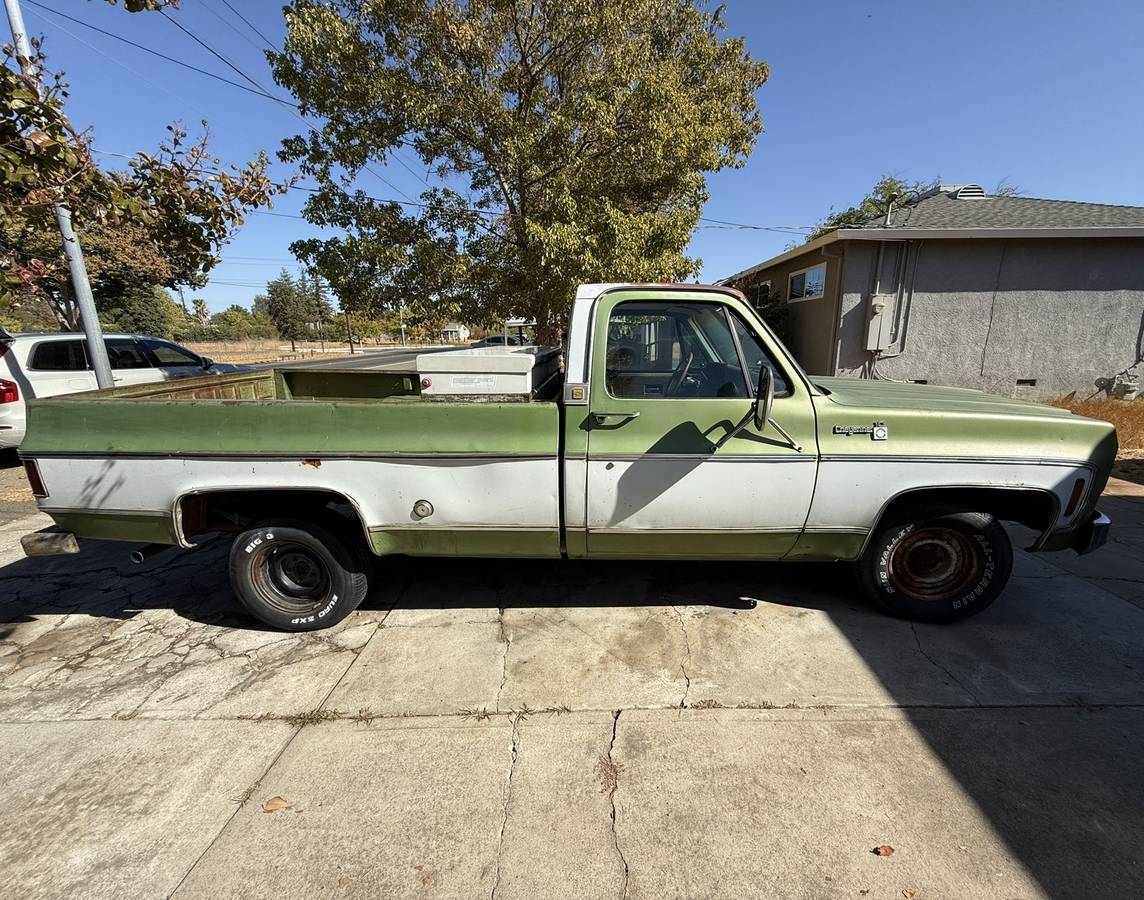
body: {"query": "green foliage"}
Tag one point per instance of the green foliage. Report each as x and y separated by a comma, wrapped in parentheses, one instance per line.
(287, 307)
(570, 140)
(234, 323)
(874, 204)
(161, 220)
(143, 309)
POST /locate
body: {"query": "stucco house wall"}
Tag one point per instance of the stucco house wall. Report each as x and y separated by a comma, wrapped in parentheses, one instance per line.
(1031, 318)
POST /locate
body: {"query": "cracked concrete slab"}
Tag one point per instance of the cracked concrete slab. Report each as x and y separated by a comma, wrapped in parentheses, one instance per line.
(426, 671)
(391, 809)
(120, 809)
(557, 827)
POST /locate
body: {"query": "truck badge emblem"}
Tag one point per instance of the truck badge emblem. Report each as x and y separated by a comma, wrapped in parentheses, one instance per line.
(878, 431)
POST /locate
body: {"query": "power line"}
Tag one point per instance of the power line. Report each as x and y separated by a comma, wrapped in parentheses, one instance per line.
(229, 24)
(118, 62)
(170, 59)
(249, 24)
(194, 37)
(792, 229)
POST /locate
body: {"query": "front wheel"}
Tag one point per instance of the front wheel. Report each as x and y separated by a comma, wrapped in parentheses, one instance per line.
(297, 576)
(938, 569)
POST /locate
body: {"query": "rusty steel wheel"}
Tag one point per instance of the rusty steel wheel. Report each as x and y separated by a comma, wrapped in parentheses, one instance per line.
(937, 568)
(934, 563)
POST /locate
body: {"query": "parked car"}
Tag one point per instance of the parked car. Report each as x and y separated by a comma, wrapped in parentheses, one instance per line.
(47, 365)
(498, 340)
(704, 441)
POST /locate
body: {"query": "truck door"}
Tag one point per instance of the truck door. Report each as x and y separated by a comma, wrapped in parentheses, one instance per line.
(670, 377)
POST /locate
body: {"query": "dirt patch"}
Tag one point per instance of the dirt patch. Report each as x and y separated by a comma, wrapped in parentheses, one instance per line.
(1126, 415)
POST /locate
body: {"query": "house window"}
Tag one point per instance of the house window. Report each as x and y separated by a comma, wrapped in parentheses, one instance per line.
(807, 284)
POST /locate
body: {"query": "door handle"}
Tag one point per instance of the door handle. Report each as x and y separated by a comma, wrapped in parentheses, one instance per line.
(602, 417)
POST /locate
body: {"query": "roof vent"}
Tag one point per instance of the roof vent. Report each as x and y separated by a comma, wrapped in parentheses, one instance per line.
(969, 192)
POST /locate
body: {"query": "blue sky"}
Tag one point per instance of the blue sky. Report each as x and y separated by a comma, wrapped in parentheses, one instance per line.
(1046, 94)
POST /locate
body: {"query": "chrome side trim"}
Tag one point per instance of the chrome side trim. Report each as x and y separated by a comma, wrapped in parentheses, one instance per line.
(982, 460)
(683, 531)
(92, 511)
(705, 457)
(542, 529)
(278, 455)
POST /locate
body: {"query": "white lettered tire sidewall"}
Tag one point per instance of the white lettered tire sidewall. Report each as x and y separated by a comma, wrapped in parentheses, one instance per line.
(990, 544)
(346, 564)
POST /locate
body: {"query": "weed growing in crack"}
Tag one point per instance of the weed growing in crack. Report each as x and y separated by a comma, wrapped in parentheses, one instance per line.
(709, 703)
(558, 710)
(479, 713)
(608, 771)
(364, 716)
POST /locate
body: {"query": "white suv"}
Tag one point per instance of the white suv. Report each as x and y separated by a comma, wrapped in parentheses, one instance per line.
(44, 365)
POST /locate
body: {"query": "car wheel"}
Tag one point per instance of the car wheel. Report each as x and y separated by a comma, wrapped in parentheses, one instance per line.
(938, 569)
(298, 576)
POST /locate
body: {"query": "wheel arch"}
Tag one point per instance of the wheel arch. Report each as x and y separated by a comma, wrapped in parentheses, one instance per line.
(1034, 507)
(204, 510)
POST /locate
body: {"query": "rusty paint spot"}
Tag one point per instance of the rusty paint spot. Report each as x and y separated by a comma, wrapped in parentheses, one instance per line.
(313, 463)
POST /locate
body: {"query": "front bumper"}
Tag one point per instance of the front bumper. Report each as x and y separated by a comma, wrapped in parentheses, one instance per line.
(1093, 534)
(1083, 539)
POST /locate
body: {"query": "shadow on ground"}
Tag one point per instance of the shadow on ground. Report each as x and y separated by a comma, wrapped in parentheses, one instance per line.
(1045, 740)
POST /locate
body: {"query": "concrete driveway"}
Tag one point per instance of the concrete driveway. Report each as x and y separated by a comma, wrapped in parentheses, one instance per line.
(509, 729)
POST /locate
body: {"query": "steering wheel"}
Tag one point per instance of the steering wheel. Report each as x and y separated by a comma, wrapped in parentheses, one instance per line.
(679, 374)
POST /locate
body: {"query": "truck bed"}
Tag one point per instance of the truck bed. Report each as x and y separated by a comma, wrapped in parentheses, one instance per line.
(138, 463)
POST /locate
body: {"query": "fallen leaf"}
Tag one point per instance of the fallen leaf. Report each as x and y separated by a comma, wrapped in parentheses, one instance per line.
(426, 881)
(864, 891)
(884, 850)
(908, 893)
(275, 803)
(419, 867)
(342, 882)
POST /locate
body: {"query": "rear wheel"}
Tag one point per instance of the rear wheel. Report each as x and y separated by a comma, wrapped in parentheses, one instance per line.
(298, 576)
(937, 569)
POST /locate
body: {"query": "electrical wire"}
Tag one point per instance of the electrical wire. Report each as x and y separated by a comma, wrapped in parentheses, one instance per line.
(249, 24)
(229, 24)
(211, 50)
(170, 59)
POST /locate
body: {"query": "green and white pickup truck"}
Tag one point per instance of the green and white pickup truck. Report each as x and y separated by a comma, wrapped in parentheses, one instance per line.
(676, 427)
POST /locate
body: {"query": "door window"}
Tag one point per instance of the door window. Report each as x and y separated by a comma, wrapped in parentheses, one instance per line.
(125, 353)
(755, 356)
(170, 355)
(58, 356)
(663, 350)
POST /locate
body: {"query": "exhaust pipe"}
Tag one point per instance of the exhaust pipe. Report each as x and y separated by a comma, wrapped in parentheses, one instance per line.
(142, 554)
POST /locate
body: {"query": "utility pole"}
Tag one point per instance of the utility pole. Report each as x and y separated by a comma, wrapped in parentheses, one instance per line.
(81, 287)
(401, 319)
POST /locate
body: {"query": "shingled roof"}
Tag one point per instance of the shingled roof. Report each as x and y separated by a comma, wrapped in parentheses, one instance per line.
(967, 206)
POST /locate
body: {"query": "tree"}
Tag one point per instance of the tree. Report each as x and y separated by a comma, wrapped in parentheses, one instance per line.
(199, 311)
(143, 309)
(161, 220)
(570, 140)
(287, 307)
(874, 204)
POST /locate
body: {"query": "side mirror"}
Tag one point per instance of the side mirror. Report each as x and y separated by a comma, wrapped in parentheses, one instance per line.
(764, 397)
(206, 361)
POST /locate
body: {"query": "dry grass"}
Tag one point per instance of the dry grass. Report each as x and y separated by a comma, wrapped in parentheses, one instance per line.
(1126, 415)
(264, 351)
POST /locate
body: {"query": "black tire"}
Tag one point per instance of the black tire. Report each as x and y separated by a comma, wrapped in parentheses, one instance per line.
(937, 569)
(297, 575)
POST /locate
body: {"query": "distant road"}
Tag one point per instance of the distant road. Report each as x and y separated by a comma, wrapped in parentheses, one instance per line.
(393, 359)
